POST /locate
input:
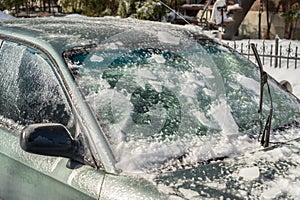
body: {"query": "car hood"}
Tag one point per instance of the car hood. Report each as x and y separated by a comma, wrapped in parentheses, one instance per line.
(265, 174)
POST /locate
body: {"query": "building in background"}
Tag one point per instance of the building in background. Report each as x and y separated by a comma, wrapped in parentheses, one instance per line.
(284, 20)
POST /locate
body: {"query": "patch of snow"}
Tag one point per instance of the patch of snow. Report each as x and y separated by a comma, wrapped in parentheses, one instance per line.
(95, 58)
(158, 58)
(249, 174)
(4, 15)
(168, 38)
(75, 16)
(188, 193)
(222, 114)
(248, 83)
(282, 186)
(271, 193)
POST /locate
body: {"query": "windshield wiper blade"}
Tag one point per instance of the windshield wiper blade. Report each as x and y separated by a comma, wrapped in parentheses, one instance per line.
(265, 139)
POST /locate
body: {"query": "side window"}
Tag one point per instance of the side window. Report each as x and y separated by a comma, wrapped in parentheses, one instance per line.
(29, 90)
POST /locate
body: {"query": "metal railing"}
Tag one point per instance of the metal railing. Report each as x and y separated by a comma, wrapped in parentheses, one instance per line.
(271, 52)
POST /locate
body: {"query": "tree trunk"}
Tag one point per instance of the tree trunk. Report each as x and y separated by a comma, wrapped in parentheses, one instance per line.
(291, 27)
(44, 6)
(268, 21)
(295, 27)
(49, 6)
(27, 9)
(259, 18)
(288, 29)
(17, 8)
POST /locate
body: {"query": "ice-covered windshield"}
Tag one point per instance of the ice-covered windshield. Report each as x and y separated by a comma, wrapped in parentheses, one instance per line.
(158, 97)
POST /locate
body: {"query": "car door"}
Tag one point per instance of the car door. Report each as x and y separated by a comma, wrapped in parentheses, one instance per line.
(31, 93)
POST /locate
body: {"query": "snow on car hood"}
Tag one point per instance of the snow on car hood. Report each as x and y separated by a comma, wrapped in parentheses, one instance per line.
(264, 174)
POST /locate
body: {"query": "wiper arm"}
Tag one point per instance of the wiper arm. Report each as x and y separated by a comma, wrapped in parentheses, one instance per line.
(265, 139)
(266, 134)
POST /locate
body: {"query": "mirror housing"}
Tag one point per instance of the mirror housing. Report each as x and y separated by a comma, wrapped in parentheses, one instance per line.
(50, 140)
(286, 86)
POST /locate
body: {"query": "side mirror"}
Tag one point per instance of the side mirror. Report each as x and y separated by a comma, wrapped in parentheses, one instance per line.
(50, 140)
(286, 86)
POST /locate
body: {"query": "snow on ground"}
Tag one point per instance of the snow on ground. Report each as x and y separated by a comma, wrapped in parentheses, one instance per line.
(5, 16)
(291, 75)
(281, 73)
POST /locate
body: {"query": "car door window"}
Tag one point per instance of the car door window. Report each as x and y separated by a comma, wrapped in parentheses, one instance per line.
(29, 90)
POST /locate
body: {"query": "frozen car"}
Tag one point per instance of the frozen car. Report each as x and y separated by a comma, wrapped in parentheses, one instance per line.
(114, 108)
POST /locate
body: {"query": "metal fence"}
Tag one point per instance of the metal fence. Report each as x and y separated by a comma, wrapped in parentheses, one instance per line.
(272, 53)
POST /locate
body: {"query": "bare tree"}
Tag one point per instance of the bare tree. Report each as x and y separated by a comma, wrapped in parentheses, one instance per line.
(291, 15)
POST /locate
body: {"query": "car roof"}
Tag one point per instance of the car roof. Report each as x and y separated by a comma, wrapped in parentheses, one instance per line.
(64, 33)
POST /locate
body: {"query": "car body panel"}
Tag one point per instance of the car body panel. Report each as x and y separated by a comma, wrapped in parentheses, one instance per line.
(179, 178)
(129, 187)
(47, 176)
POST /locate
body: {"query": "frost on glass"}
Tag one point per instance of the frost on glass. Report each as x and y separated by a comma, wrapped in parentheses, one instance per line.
(162, 98)
(29, 92)
(148, 97)
(242, 83)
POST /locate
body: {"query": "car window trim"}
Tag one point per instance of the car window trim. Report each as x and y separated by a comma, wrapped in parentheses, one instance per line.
(109, 165)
